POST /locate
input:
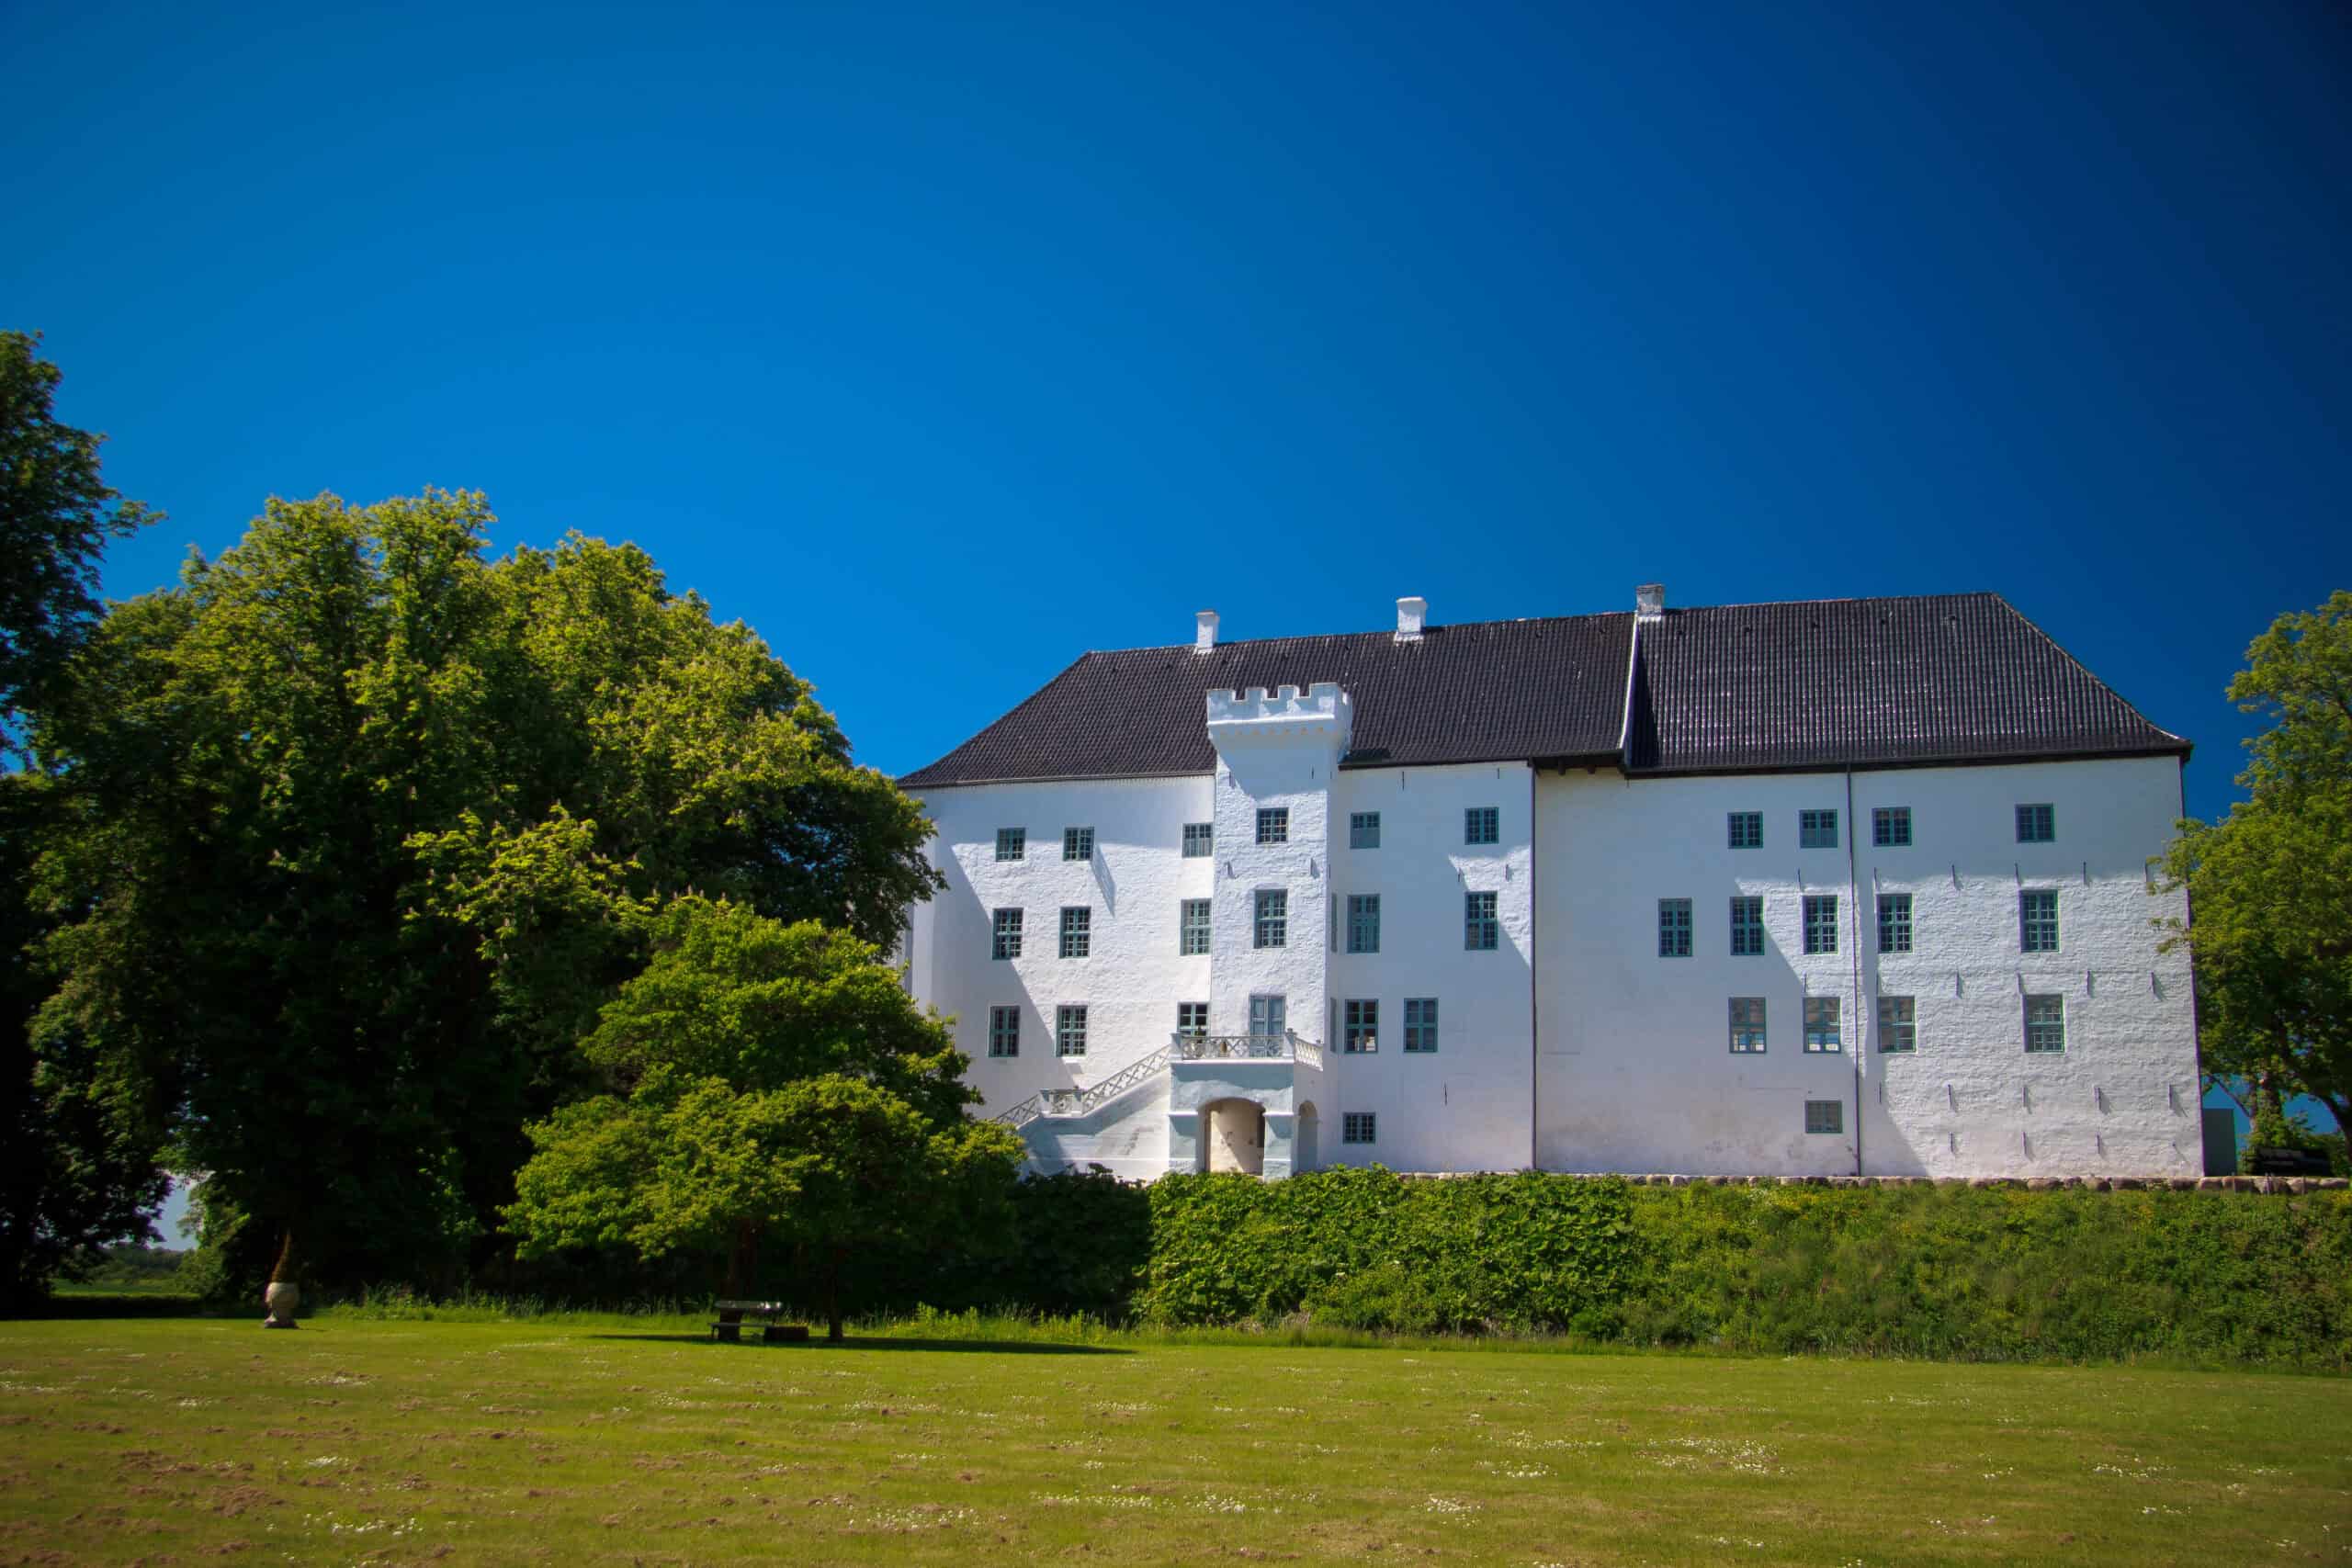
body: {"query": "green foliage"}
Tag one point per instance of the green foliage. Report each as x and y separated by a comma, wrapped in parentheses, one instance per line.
(354, 831)
(1369, 1249)
(56, 516)
(774, 1087)
(1943, 1272)
(2271, 883)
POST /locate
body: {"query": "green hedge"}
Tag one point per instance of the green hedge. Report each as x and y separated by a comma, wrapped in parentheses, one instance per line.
(1944, 1272)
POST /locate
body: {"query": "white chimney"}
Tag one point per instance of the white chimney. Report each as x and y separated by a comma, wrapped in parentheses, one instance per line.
(1410, 614)
(1649, 602)
(1204, 633)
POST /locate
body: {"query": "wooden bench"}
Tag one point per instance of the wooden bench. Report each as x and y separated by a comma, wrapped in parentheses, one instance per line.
(732, 1314)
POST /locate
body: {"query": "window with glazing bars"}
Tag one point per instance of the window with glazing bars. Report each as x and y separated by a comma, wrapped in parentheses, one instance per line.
(1011, 843)
(1193, 1020)
(1273, 824)
(1359, 1027)
(1193, 926)
(1363, 922)
(1078, 843)
(1273, 912)
(1069, 1031)
(1077, 932)
(1748, 925)
(1200, 840)
(1007, 934)
(1363, 830)
(1482, 825)
(1269, 1015)
(1821, 922)
(1358, 1126)
(1004, 1031)
(2038, 919)
(1825, 1116)
(2037, 824)
(1747, 1026)
(1890, 826)
(1674, 928)
(1817, 829)
(1746, 830)
(1481, 931)
(1821, 1024)
(1898, 1028)
(1895, 922)
(1420, 1026)
(2045, 1024)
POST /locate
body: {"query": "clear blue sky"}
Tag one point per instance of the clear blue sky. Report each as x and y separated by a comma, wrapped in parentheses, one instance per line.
(942, 345)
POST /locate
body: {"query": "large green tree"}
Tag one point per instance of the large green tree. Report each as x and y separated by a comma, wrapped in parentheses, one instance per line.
(2270, 884)
(772, 1089)
(78, 1138)
(56, 516)
(357, 828)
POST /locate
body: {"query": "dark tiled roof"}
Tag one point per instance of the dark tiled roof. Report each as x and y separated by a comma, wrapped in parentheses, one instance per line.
(1477, 692)
(1947, 678)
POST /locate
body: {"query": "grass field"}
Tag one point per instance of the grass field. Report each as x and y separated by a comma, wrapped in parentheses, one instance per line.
(622, 1441)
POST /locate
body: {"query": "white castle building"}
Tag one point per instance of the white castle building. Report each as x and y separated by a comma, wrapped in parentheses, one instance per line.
(1851, 886)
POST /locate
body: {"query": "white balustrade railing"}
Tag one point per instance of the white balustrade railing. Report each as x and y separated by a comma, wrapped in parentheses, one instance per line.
(1182, 1046)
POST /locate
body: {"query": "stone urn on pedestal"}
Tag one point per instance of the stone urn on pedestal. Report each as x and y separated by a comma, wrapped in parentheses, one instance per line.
(283, 1295)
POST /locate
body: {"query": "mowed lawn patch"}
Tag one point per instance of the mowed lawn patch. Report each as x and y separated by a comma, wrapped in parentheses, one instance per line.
(355, 1440)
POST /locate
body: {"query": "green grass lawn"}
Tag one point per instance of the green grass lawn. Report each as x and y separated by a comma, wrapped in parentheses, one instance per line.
(579, 1441)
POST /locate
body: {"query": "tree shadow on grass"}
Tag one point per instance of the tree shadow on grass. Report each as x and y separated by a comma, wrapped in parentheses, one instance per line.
(877, 1342)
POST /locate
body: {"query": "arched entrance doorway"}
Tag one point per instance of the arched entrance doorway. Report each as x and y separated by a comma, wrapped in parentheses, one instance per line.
(1236, 1136)
(1304, 1128)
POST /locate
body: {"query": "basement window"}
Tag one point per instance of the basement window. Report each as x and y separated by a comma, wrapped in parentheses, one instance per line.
(1825, 1116)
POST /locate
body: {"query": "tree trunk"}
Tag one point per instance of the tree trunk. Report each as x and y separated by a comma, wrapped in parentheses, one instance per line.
(743, 1260)
(834, 1297)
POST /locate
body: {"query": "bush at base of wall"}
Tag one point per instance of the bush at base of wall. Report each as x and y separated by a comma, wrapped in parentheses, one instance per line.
(1942, 1272)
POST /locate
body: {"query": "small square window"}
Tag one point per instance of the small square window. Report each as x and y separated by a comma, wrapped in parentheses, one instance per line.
(1007, 934)
(1748, 1026)
(1817, 829)
(1674, 928)
(1420, 1026)
(1193, 1020)
(1821, 922)
(1895, 922)
(1069, 1031)
(1363, 922)
(1273, 825)
(1273, 912)
(1359, 1127)
(1746, 830)
(1200, 840)
(2045, 1024)
(1482, 825)
(1077, 932)
(1898, 1029)
(1825, 1116)
(2037, 825)
(1821, 1024)
(1363, 830)
(2038, 919)
(1193, 926)
(1078, 843)
(1011, 843)
(1748, 927)
(1004, 1031)
(1890, 826)
(1360, 1031)
(1481, 931)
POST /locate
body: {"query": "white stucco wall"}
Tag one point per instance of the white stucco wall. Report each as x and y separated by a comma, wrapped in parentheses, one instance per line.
(1635, 1073)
